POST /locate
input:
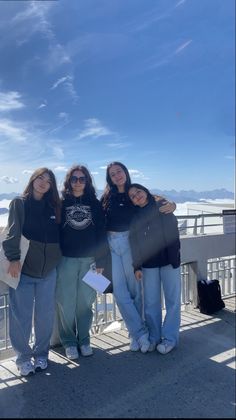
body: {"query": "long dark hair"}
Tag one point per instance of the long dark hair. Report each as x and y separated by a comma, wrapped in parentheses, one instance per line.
(150, 196)
(110, 187)
(51, 196)
(89, 189)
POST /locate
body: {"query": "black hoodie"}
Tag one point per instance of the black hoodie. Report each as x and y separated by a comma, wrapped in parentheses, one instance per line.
(154, 238)
(83, 231)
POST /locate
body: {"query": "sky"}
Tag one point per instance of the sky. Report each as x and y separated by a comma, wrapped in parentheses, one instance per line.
(149, 83)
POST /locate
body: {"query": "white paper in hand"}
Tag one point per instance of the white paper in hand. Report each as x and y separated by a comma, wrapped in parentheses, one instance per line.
(96, 281)
(4, 264)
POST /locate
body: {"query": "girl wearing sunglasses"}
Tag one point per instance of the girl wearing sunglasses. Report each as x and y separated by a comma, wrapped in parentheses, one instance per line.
(83, 244)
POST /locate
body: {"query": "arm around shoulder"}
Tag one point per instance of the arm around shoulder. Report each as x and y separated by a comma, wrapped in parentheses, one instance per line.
(166, 205)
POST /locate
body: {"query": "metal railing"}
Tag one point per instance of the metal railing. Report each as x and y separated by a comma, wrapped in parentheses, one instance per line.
(106, 311)
(224, 270)
(200, 223)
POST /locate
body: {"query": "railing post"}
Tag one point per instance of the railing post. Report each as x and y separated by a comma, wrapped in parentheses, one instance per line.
(195, 226)
(193, 284)
(197, 272)
(202, 224)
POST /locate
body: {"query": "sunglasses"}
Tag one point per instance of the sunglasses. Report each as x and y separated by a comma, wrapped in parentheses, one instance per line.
(81, 179)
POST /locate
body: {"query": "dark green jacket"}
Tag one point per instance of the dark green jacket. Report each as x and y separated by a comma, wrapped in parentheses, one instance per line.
(36, 221)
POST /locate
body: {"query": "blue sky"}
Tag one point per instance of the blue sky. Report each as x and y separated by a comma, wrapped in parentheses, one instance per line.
(146, 82)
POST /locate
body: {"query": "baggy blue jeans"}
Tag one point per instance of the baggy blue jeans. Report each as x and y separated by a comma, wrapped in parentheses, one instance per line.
(126, 289)
(170, 280)
(33, 298)
(74, 300)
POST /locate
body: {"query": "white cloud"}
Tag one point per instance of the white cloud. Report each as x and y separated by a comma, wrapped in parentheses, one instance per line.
(57, 56)
(27, 172)
(63, 115)
(137, 174)
(36, 14)
(94, 128)
(9, 179)
(179, 3)
(94, 173)
(10, 101)
(183, 46)
(35, 19)
(65, 120)
(58, 152)
(67, 82)
(118, 145)
(9, 130)
(43, 104)
(103, 167)
(60, 169)
(60, 81)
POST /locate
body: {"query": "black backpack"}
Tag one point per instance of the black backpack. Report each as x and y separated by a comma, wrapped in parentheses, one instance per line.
(209, 296)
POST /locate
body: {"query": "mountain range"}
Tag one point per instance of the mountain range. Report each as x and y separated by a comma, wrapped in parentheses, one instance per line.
(177, 196)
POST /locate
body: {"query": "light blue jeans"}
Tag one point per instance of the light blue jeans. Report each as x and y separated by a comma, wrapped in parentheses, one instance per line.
(33, 298)
(126, 289)
(74, 300)
(169, 278)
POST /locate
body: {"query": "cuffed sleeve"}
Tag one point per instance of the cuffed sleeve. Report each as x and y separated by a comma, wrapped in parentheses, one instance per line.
(134, 245)
(11, 244)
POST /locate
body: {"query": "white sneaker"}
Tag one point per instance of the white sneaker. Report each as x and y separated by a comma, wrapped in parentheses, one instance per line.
(26, 368)
(72, 353)
(86, 350)
(144, 343)
(165, 347)
(40, 364)
(134, 346)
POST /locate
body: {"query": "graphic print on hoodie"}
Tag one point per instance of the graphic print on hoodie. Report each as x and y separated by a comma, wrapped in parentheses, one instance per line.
(82, 226)
(78, 216)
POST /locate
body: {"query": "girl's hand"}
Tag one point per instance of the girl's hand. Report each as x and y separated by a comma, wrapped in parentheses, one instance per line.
(14, 268)
(99, 270)
(138, 275)
(167, 207)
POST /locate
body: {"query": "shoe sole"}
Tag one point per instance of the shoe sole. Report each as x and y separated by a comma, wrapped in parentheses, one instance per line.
(166, 352)
(28, 374)
(73, 358)
(39, 369)
(86, 355)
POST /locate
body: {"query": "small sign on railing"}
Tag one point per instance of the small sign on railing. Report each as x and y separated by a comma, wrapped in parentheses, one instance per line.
(229, 221)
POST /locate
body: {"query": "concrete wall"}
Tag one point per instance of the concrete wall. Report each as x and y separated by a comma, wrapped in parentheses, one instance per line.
(200, 248)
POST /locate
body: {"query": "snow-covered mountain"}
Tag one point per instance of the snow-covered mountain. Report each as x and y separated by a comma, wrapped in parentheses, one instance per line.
(177, 196)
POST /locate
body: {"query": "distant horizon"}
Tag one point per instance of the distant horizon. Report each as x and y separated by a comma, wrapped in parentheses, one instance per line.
(151, 189)
(181, 207)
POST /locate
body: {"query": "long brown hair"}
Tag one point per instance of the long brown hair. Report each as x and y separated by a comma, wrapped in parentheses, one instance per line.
(110, 187)
(89, 189)
(51, 196)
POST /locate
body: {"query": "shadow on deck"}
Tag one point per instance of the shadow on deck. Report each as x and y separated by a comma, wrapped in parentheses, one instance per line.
(196, 380)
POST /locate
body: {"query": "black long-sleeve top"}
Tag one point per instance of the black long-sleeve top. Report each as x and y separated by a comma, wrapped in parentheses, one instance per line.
(119, 212)
(154, 238)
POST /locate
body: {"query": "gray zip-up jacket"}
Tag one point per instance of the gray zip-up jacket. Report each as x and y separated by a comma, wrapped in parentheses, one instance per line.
(35, 219)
